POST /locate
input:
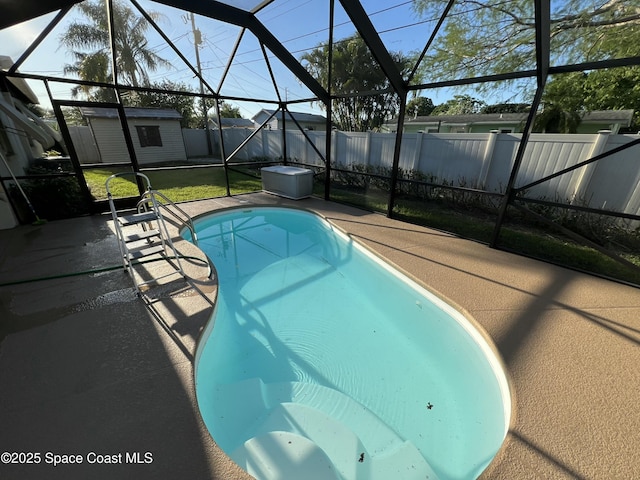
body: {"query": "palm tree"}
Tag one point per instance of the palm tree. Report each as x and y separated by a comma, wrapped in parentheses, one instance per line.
(356, 70)
(557, 119)
(90, 45)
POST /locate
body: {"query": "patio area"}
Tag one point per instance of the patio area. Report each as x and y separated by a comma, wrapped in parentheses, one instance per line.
(90, 371)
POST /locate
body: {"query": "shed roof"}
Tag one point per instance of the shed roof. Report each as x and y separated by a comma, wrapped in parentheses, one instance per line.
(472, 118)
(234, 122)
(132, 112)
(298, 116)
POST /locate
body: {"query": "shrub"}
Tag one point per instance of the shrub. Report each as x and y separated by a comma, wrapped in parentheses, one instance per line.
(52, 198)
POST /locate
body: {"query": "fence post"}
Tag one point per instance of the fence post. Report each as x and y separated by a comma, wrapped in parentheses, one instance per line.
(367, 148)
(305, 149)
(583, 180)
(264, 138)
(334, 149)
(487, 158)
(417, 151)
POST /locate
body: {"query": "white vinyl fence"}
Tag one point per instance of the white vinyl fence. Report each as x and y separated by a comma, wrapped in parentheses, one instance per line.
(480, 160)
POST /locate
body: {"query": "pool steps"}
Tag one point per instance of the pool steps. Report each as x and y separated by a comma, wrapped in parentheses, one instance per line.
(284, 455)
(358, 444)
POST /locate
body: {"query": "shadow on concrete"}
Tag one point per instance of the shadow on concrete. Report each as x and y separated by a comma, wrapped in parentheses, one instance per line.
(86, 373)
(554, 463)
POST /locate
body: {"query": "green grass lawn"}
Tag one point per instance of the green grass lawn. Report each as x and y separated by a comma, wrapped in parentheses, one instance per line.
(179, 185)
(479, 226)
(522, 240)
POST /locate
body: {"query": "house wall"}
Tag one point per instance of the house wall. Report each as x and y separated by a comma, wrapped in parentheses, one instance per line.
(14, 149)
(447, 128)
(596, 127)
(18, 130)
(7, 217)
(17, 149)
(310, 126)
(261, 117)
(488, 127)
(276, 123)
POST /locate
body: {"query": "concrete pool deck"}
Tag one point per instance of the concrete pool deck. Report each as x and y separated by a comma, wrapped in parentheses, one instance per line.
(91, 371)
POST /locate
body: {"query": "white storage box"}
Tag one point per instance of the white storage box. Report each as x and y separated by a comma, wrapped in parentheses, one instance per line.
(289, 182)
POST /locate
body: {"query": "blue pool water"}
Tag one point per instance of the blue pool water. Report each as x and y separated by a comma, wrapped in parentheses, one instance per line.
(322, 361)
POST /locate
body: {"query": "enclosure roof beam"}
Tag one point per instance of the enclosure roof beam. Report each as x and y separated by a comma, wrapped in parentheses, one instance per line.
(14, 12)
(273, 44)
(213, 9)
(241, 18)
(543, 39)
(370, 35)
(543, 21)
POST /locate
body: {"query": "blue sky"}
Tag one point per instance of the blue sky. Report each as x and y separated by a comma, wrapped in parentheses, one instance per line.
(299, 24)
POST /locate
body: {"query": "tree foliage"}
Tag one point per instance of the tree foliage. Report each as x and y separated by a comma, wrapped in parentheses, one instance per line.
(229, 111)
(184, 104)
(555, 118)
(613, 89)
(568, 97)
(89, 44)
(506, 108)
(482, 37)
(485, 37)
(355, 70)
(460, 105)
(72, 116)
(420, 107)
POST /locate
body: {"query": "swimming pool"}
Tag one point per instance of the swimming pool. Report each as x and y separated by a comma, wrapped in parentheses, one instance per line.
(322, 360)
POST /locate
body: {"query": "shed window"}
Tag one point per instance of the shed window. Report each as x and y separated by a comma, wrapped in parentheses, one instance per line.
(149, 135)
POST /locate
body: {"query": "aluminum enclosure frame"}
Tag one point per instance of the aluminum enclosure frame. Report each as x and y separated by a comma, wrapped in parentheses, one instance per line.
(16, 12)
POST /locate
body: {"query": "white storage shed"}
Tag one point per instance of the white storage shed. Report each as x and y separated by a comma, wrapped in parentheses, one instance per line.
(156, 133)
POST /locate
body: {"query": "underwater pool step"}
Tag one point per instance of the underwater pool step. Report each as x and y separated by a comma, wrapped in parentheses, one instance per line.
(333, 437)
(359, 444)
(258, 398)
(269, 457)
(284, 456)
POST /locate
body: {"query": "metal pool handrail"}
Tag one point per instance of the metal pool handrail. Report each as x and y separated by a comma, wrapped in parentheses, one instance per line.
(186, 219)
